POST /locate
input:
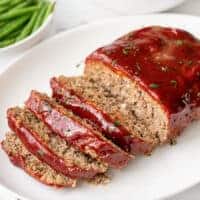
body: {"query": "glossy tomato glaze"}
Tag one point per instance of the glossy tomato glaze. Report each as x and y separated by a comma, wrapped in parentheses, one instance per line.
(79, 136)
(166, 64)
(19, 161)
(117, 133)
(42, 152)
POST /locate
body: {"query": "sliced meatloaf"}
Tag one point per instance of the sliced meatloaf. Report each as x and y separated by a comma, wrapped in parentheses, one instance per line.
(76, 131)
(50, 148)
(152, 80)
(22, 158)
(79, 95)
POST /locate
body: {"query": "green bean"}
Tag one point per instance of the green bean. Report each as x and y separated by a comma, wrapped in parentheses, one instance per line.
(49, 10)
(40, 16)
(22, 4)
(18, 12)
(4, 2)
(7, 42)
(28, 28)
(15, 2)
(11, 5)
(2, 24)
(3, 9)
(12, 26)
(13, 34)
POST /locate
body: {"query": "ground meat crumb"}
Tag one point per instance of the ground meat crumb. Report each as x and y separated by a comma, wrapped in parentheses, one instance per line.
(100, 179)
(173, 142)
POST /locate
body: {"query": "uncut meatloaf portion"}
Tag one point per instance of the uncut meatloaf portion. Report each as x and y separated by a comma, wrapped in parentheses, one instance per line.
(76, 131)
(49, 148)
(154, 75)
(22, 158)
(77, 95)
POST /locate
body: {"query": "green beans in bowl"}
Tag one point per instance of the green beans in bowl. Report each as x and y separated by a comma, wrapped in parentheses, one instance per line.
(23, 22)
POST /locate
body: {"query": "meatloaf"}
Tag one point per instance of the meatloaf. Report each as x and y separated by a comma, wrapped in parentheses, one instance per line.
(22, 158)
(138, 92)
(74, 94)
(49, 148)
(75, 131)
(152, 80)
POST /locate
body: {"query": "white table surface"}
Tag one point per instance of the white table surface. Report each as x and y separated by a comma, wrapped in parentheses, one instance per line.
(66, 17)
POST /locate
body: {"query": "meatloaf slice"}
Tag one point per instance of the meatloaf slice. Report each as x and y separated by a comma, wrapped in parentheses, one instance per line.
(22, 158)
(76, 131)
(72, 94)
(49, 148)
(99, 96)
(153, 74)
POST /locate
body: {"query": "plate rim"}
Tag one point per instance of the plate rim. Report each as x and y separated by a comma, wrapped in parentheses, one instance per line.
(11, 65)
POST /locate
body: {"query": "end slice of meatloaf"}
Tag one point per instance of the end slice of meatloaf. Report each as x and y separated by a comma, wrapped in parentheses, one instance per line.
(22, 158)
(70, 93)
(153, 74)
(76, 131)
(50, 148)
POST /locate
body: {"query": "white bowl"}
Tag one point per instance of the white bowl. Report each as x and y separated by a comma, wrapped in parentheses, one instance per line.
(32, 39)
(137, 6)
(76, 12)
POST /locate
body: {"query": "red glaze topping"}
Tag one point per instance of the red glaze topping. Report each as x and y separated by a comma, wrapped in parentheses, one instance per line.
(116, 132)
(19, 161)
(164, 61)
(31, 141)
(79, 136)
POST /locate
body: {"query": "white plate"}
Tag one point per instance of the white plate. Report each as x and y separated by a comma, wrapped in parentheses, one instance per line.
(168, 171)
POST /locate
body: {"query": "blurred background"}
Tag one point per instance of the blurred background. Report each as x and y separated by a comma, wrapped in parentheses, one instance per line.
(71, 13)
